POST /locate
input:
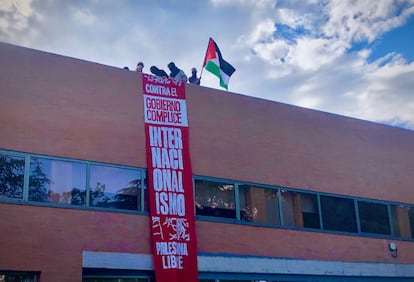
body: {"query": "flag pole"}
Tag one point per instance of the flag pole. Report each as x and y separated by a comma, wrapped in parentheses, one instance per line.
(202, 68)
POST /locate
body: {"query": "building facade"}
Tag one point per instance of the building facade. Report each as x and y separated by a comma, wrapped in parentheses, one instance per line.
(282, 193)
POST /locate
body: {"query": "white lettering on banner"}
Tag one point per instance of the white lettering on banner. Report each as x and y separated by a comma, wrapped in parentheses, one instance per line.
(172, 248)
(166, 137)
(167, 158)
(169, 262)
(168, 180)
(170, 203)
(161, 90)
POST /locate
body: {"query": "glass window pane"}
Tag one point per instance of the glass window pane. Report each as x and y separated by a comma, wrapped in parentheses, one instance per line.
(56, 181)
(402, 222)
(411, 215)
(214, 199)
(146, 192)
(300, 209)
(259, 204)
(374, 218)
(17, 277)
(338, 214)
(115, 188)
(11, 176)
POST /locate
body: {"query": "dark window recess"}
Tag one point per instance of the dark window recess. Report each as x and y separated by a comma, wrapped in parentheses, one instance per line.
(374, 218)
(338, 214)
(310, 211)
(411, 215)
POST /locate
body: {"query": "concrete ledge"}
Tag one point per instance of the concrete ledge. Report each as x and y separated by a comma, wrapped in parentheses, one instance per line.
(258, 265)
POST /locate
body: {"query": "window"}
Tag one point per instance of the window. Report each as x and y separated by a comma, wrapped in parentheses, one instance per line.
(374, 218)
(11, 176)
(56, 181)
(300, 209)
(17, 277)
(338, 214)
(259, 204)
(403, 221)
(214, 199)
(114, 187)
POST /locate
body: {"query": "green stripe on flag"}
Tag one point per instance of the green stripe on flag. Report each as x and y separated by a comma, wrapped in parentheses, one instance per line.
(215, 69)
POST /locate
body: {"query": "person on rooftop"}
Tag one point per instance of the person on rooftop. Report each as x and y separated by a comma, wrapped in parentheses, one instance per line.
(140, 67)
(176, 73)
(158, 72)
(193, 79)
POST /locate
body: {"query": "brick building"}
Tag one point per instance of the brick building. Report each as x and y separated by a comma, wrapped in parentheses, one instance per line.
(282, 193)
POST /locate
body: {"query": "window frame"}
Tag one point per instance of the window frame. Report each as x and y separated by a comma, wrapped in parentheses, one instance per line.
(144, 197)
(282, 225)
(144, 208)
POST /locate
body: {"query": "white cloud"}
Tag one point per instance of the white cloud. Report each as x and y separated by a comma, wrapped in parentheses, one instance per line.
(351, 20)
(14, 17)
(82, 16)
(387, 95)
(312, 53)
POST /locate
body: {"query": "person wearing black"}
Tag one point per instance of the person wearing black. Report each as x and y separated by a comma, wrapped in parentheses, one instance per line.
(193, 79)
(176, 73)
(158, 72)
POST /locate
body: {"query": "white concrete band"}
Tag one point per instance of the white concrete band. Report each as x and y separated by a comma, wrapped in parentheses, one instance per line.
(257, 265)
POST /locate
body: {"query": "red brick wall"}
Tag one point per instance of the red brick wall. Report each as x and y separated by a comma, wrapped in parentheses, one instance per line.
(51, 240)
(245, 138)
(61, 106)
(284, 243)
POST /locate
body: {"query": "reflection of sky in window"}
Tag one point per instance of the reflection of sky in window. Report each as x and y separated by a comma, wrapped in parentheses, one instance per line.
(114, 178)
(64, 175)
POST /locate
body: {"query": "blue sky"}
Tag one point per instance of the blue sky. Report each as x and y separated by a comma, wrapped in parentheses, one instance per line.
(353, 58)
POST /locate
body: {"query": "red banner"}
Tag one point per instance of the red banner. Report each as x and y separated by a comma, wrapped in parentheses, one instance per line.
(170, 180)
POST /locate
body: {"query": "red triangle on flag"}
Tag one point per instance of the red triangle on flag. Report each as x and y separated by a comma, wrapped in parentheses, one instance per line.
(211, 52)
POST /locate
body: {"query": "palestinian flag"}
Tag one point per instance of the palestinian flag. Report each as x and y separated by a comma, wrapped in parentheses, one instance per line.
(214, 63)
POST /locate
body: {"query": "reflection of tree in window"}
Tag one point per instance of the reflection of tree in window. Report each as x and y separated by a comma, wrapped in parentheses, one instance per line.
(128, 196)
(116, 188)
(300, 209)
(17, 277)
(38, 181)
(215, 199)
(56, 181)
(11, 176)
